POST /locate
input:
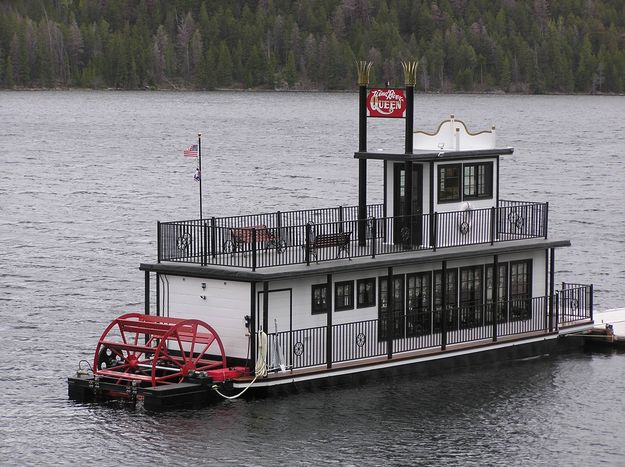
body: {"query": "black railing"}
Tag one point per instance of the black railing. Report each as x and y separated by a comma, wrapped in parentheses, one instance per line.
(423, 329)
(302, 237)
(575, 302)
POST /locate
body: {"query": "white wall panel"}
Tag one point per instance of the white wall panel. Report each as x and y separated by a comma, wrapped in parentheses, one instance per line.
(224, 307)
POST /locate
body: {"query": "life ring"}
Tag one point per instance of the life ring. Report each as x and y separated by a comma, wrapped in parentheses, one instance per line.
(465, 216)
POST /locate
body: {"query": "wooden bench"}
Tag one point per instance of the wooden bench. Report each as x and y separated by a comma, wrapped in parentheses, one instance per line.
(241, 236)
(337, 239)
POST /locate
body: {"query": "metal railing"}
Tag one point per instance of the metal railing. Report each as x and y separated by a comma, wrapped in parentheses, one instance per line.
(277, 239)
(427, 329)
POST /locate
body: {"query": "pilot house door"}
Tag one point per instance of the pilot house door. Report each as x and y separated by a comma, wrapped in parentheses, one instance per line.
(407, 230)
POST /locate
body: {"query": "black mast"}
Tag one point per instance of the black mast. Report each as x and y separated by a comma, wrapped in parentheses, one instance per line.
(363, 81)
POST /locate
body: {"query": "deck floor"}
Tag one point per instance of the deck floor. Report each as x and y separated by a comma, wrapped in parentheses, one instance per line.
(400, 356)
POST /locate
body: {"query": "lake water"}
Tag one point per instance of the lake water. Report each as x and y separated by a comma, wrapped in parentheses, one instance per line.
(84, 176)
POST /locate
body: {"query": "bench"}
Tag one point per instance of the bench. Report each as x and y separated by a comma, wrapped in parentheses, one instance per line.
(241, 236)
(337, 239)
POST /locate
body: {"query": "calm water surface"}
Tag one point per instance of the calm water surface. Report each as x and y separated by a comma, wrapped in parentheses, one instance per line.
(84, 176)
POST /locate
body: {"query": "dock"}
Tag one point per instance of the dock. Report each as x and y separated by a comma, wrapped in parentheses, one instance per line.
(609, 329)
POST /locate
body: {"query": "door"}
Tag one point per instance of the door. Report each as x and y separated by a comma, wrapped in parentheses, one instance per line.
(392, 317)
(407, 229)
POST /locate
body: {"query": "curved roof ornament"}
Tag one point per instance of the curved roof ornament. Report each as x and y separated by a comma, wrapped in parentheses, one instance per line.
(453, 135)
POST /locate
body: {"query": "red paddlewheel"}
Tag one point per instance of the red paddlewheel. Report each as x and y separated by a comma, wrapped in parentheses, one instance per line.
(156, 350)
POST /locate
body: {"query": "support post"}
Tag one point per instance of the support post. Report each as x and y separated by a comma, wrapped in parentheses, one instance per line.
(546, 219)
(493, 215)
(363, 81)
(265, 306)
(159, 252)
(254, 249)
(374, 237)
(199, 153)
(552, 260)
(205, 244)
(495, 294)
(158, 294)
(213, 238)
(146, 305)
(444, 306)
(434, 234)
(410, 69)
(329, 298)
(390, 319)
(252, 328)
(592, 301)
(307, 246)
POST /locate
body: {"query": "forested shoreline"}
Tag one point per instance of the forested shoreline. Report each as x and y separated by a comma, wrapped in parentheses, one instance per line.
(534, 46)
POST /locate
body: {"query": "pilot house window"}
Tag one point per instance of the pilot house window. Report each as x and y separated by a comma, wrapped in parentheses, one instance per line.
(478, 180)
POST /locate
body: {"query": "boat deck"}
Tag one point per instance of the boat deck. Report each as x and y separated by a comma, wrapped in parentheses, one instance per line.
(229, 266)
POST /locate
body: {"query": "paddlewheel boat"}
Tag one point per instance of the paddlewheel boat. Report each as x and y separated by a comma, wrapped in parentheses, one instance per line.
(444, 272)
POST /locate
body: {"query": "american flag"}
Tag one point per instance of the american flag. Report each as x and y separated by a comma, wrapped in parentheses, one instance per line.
(191, 151)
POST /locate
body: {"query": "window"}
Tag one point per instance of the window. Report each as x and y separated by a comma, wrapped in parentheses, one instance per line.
(344, 296)
(471, 312)
(520, 290)
(478, 180)
(449, 182)
(366, 292)
(319, 299)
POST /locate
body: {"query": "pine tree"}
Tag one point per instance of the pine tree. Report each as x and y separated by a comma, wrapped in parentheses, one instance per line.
(290, 73)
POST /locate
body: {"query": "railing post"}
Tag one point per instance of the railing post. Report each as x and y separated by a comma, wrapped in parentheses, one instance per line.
(205, 245)
(374, 231)
(557, 312)
(213, 238)
(341, 219)
(493, 214)
(591, 304)
(307, 246)
(548, 324)
(434, 233)
(254, 249)
(546, 224)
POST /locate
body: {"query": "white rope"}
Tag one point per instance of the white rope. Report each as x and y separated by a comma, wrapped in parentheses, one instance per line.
(260, 368)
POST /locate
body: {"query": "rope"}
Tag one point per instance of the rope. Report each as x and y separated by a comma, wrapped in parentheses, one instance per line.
(260, 368)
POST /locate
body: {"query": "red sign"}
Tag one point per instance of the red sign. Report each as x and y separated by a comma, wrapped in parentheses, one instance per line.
(388, 103)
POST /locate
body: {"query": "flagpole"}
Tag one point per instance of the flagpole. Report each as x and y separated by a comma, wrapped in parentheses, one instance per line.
(199, 153)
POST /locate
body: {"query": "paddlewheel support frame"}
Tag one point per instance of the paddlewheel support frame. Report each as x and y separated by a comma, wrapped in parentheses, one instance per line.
(155, 350)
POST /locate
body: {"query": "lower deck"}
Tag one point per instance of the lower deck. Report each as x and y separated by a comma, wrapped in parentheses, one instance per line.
(528, 345)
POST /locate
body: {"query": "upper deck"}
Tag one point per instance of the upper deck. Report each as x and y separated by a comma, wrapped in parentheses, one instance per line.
(328, 234)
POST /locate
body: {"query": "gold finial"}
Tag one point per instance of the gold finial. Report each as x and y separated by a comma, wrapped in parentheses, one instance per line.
(363, 72)
(410, 72)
